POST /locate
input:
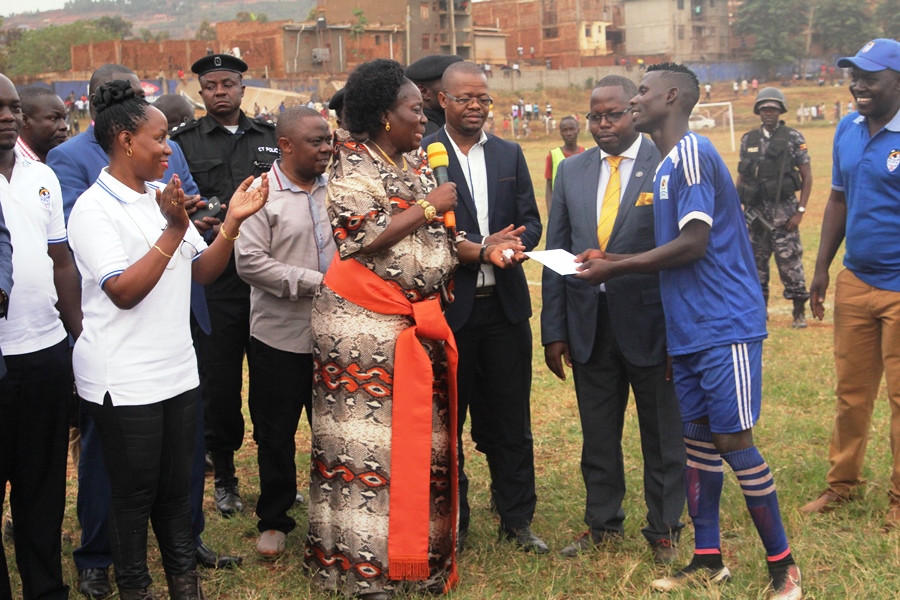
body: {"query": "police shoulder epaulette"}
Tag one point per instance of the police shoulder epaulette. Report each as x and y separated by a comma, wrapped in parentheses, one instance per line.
(264, 122)
(186, 126)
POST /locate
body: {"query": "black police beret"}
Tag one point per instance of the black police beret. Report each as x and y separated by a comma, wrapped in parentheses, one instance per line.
(218, 62)
(337, 101)
(431, 67)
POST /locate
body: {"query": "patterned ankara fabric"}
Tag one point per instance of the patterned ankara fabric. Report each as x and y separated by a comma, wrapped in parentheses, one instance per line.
(350, 480)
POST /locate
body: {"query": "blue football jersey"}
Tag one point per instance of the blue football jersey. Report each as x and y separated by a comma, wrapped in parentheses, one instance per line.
(716, 300)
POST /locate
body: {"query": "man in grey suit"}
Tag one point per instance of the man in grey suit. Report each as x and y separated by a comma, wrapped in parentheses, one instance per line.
(613, 336)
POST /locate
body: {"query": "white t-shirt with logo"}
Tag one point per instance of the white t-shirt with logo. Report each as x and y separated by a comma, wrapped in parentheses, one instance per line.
(32, 208)
(142, 355)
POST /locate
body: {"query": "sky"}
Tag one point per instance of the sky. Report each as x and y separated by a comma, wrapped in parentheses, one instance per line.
(8, 7)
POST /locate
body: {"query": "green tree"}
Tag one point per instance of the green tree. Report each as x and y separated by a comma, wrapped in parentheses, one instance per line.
(887, 15)
(777, 28)
(843, 27)
(205, 31)
(48, 49)
(148, 36)
(358, 28)
(247, 17)
(115, 25)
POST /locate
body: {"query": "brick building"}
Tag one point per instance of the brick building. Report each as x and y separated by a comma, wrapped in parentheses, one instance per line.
(570, 33)
(684, 30)
(435, 26)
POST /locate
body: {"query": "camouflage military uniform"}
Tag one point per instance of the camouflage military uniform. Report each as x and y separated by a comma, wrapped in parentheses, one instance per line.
(784, 244)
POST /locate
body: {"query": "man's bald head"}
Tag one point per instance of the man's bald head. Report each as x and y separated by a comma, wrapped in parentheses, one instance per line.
(107, 73)
(177, 109)
(10, 108)
(288, 120)
(457, 69)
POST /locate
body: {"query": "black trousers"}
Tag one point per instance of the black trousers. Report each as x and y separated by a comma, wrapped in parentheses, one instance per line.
(34, 423)
(601, 386)
(494, 384)
(148, 452)
(280, 388)
(222, 375)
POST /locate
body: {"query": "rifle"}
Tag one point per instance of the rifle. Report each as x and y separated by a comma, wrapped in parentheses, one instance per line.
(753, 215)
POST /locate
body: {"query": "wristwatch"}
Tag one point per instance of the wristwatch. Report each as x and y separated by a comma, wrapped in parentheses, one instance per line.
(430, 211)
(801, 209)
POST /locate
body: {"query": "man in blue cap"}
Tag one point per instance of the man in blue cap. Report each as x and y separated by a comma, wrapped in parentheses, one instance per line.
(224, 148)
(864, 210)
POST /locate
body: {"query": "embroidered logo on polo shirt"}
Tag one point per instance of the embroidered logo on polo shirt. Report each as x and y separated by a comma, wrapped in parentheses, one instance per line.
(44, 193)
(893, 160)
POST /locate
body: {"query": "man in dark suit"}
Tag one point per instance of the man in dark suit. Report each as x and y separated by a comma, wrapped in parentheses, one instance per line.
(490, 313)
(77, 163)
(614, 336)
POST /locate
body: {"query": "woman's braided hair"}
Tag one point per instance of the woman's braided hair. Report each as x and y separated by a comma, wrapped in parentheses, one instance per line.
(118, 109)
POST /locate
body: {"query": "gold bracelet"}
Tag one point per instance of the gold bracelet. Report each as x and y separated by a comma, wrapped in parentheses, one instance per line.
(163, 253)
(228, 237)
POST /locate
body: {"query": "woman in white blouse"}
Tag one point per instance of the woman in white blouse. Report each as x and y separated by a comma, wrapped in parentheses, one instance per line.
(137, 252)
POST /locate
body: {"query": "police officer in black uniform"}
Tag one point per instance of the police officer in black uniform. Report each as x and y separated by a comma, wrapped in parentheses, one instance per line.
(223, 149)
(426, 73)
(774, 166)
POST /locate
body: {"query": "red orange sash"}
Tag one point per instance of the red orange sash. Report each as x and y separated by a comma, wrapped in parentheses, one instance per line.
(411, 418)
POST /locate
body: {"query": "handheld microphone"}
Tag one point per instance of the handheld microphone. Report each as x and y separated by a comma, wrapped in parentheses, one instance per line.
(439, 161)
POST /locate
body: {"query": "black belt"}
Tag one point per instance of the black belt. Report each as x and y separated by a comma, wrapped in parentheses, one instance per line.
(485, 292)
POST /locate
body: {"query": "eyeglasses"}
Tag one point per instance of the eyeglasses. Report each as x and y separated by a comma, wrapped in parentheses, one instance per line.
(483, 101)
(611, 117)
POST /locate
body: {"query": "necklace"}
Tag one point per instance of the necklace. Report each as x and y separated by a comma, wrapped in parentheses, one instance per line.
(386, 157)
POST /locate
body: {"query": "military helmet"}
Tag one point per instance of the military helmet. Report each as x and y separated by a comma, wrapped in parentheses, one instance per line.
(770, 96)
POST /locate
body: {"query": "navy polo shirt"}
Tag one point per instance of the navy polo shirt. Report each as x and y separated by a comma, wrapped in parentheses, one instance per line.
(867, 170)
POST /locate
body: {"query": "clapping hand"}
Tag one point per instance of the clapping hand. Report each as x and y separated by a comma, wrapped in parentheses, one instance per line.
(245, 202)
(171, 203)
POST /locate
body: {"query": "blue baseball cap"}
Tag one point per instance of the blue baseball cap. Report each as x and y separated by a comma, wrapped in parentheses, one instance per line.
(877, 55)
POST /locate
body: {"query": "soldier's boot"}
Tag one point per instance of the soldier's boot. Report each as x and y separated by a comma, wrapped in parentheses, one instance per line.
(799, 314)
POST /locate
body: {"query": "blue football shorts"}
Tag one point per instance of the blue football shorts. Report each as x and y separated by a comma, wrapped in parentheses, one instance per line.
(723, 383)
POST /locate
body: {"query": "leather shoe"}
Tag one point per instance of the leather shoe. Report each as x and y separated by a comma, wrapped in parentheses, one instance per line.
(892, 519)
(270, 544)
(228, 500)
(826, 502)
(582, 543)
(94, 583)
(208, 559)
(588, 541)
(525, 539)
(664, 551)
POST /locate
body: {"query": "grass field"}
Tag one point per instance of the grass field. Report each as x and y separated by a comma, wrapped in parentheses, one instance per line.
(843, 555)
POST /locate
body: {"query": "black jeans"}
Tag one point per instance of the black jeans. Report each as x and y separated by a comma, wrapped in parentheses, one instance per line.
(34, 424)
(148, 451)
(280, 387)
(222, 375)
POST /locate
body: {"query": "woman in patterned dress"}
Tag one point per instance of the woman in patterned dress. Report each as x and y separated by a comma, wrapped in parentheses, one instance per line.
(394, 247)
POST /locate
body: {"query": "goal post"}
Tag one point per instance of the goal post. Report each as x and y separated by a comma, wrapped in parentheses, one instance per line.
(719, 112)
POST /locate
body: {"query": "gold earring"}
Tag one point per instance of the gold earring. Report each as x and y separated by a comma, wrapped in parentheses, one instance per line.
(387, 126)
(128, 152)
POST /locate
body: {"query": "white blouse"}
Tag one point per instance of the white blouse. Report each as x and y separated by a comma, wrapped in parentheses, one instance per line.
(142, 355)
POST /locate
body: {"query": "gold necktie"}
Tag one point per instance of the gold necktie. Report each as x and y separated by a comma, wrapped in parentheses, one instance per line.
(610, 207)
